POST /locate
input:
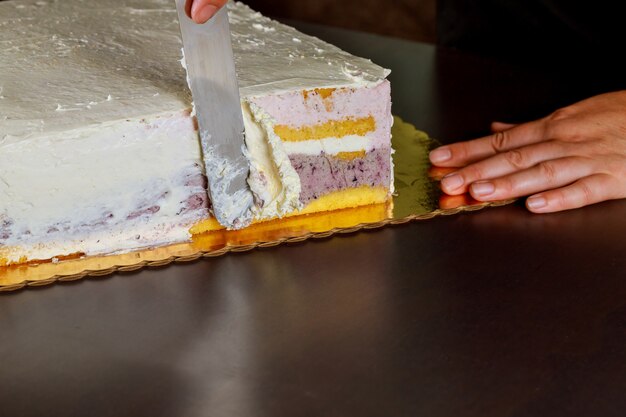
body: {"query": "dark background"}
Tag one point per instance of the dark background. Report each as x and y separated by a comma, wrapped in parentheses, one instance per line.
(408, 19)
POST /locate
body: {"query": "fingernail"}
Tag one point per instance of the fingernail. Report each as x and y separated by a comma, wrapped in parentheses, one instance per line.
(201, 14)
(440, 155)
(452, 182)
(483, 188)
(536, 203)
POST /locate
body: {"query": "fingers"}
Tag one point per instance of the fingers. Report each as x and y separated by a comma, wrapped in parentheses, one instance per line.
(202, 10)
(437, 173)
(449, 202)
(589, 190)
(544, 176)
(464, 153)
(574, 157)
(504, 163)
(499, 126)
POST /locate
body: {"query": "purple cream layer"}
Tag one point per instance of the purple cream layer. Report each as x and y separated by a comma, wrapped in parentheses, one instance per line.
(323, 174)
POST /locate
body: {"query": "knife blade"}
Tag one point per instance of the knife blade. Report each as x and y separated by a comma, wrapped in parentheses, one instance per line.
(215, 92)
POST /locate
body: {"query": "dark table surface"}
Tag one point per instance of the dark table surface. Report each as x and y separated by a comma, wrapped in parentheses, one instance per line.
(493, 313)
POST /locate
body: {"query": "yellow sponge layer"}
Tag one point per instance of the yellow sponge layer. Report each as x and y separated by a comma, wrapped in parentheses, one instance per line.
(349, 156)
(324, 93)
(276, 230)
(349, 197)
(330, 129)
(204, 226)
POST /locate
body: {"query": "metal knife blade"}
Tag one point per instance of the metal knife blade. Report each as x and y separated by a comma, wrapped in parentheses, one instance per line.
(215, 91)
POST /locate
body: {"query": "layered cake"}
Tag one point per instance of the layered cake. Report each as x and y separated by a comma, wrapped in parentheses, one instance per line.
(99, 152)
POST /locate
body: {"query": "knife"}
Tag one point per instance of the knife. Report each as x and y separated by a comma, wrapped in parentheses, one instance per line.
(215, 92)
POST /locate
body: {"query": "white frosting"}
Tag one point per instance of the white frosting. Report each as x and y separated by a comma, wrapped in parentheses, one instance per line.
(150, 172)
(37, 176)
(273, 58)
(331, 145)
(104, 61)
(273, 180)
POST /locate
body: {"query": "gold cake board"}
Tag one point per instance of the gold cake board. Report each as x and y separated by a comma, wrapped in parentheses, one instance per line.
(417, 197)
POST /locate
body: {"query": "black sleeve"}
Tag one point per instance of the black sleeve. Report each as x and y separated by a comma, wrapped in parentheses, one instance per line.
(565, 32)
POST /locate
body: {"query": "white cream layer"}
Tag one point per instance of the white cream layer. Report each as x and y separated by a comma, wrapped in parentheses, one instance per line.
(102, 174)
(331, 145)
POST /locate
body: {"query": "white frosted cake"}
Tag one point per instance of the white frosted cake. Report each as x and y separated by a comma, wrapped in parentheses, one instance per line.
(99, 153)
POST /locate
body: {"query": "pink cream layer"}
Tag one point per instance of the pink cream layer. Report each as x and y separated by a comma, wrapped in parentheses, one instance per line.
(314, 107)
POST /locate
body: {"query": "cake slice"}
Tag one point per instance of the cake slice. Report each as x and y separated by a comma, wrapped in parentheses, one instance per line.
(99, 152)
(337, 141)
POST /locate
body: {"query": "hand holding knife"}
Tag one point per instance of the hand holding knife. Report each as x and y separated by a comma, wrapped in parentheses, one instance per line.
(200, 11)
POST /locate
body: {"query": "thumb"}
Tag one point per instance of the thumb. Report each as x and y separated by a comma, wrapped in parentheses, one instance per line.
(200, 11)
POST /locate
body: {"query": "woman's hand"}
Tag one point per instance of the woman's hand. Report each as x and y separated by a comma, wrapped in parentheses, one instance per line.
(202, 10)
(574, 157)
